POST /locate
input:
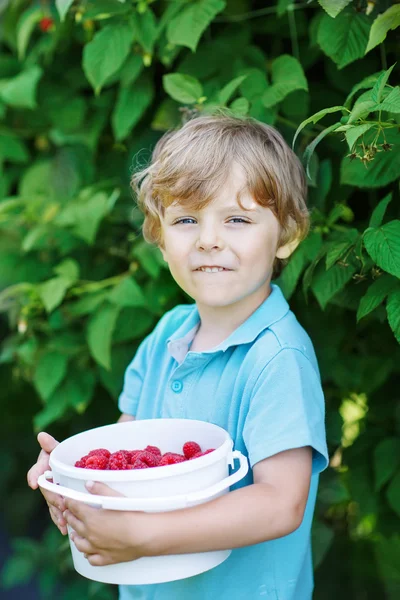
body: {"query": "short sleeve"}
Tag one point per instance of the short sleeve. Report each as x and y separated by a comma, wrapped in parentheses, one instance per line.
(287, 410)
(133, 379)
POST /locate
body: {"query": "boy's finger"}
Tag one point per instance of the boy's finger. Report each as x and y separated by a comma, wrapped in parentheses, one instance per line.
(47, 442)
(101, 489)
(54, 500)
(38, 468)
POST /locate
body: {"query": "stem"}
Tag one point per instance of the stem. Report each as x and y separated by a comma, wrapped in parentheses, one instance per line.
(262, 11)
(383, 56)
(293, 32)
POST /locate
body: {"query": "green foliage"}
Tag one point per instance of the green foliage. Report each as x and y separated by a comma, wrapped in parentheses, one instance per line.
(84, 102)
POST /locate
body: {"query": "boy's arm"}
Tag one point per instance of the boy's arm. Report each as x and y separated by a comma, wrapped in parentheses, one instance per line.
(270, 508)
(124, 418)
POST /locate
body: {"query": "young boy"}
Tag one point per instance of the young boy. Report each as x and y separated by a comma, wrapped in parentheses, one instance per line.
(224, 199)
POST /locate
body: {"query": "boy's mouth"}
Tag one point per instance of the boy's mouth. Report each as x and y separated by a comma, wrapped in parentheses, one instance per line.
(212, 269)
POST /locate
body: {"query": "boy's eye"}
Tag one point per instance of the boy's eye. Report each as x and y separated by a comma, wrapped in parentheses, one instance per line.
(183, 220)
(232, 219)
(239, 219)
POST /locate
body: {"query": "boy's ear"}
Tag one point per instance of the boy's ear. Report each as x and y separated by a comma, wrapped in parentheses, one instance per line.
(161, 249)
(288, 249)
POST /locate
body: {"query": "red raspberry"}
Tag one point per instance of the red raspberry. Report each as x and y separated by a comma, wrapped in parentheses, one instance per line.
(147, 457)
(82, 461)
(190, 448)
(171, 458)
(196, 455)
(208, 451)
(138, 464)
(118, 461)
(46, 23)
(154, 450)
(100, 452)
(97, 461)
(133, 454)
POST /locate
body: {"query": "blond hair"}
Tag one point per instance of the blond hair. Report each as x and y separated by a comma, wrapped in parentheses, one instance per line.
(191, 164)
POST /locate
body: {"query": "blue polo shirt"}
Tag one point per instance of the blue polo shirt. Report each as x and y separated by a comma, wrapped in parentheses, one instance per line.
(262, 385)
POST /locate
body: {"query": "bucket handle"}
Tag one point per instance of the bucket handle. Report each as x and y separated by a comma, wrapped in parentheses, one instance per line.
(149, 504)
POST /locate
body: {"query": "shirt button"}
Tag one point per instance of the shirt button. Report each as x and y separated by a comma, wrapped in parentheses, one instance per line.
(177, 386)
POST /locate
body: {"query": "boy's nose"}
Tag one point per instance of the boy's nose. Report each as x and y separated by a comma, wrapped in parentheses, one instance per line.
(209, 240)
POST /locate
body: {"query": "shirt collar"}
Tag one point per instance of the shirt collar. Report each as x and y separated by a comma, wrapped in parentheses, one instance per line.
(273, 309)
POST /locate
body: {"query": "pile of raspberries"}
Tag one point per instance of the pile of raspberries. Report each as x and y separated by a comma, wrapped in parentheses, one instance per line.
(138, 459)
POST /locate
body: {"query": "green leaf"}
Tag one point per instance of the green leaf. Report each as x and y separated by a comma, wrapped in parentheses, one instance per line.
(391, 103)
(240, 107)
(21, 90)
(131, 70)
(69, 269)
(379, 86)
(63, 7)
(390, 19)
(379, 212)
(87, 304)
(13, 149)
(127, 293)
(386, 461)
(393, 312)
(85, 216)
(361, 110)
(387, 552)
(328, 283)
(145, 29)
(82, 384)
(383, 246)
(384, 168)
(345, 38)
(99, 333)
(282, 7)
(366, 83)
(228, 90)
(322, 538)
(376, 294)
(315, 118)
(334, 7)
(292, 271)
(336, 251)
(105, 54)
(187, 27)
(120, 359)
(25, 27)
(311, 147)
(17, 570)
(287, 76)
(131, 104)
(149, 257)
(354, 133)
(74, 392)
(393, 494)
(132, 323)
(53, 291)
(50, 371)
(182, 88)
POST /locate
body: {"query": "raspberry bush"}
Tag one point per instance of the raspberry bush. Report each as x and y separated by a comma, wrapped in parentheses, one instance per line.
(79, 289)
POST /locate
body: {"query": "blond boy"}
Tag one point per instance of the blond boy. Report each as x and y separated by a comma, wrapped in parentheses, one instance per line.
(224, 200)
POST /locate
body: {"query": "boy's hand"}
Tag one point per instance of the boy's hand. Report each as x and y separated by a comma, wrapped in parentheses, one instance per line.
(54, 501)
(106, 537)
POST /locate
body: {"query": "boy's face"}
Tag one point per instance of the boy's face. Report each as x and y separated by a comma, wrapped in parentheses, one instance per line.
(243, 242)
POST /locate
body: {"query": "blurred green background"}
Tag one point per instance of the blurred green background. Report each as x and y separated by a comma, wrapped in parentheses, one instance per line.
(87, 87)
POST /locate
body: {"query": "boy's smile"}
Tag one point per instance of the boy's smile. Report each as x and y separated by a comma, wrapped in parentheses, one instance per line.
(222, 256)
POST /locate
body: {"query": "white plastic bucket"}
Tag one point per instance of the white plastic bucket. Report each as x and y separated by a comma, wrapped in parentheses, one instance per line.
(156, 489)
